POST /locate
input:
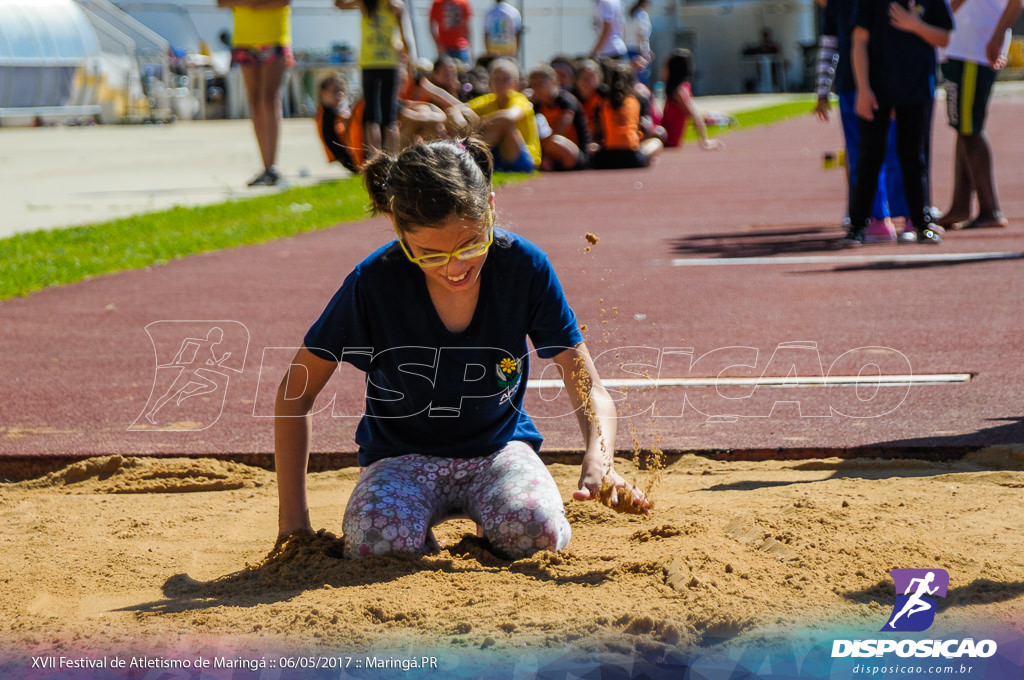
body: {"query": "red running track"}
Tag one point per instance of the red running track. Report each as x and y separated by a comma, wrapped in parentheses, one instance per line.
(79, 366)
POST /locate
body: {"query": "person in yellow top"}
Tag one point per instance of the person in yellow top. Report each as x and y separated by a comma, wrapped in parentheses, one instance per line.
(508, 122)
(387, 40)
(262, 47)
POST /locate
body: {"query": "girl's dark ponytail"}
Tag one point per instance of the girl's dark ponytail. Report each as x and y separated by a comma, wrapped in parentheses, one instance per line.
(480, 152)
(376, 176)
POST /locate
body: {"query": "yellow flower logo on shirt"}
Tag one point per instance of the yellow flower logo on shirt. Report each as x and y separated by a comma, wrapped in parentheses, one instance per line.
(508, 371)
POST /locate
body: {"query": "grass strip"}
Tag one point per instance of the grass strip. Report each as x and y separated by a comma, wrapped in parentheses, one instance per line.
(36, 260)
(763, 116)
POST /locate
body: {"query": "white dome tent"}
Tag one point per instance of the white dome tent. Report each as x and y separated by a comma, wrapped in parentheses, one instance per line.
(48, 60)
(74, 60)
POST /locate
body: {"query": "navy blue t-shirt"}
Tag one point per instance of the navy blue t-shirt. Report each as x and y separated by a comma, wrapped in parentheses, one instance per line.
(431, 391)
(901, 65)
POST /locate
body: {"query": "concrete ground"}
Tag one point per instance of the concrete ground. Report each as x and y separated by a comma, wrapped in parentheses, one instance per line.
(66, 176)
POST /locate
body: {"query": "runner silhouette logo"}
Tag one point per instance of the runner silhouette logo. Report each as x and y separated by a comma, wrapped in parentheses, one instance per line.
(194, 364)
(916, 590)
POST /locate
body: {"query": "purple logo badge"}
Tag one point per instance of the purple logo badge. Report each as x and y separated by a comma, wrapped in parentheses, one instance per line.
(914, 609)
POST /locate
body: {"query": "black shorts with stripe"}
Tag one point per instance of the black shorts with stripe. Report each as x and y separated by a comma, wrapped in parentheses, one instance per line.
(968, 88)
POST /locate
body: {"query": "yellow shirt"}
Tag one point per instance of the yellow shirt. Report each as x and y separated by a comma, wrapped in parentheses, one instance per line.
(527, 125)
(262, 27)
(380, 40)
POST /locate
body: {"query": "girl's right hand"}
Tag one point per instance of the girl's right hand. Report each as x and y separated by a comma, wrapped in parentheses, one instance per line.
(712, 144)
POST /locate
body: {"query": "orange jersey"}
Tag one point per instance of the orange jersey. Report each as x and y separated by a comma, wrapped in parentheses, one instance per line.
(553, 113)
(621, 126)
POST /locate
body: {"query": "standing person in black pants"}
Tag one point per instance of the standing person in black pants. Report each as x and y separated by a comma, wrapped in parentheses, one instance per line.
(894, 66)
(387, 41)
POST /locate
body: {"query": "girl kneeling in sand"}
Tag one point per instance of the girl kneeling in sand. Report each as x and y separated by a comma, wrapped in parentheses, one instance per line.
(438, 320)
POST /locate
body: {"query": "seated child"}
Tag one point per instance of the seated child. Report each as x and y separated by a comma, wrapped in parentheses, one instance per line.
(565, 69)
(679, 104)
(563, 114)
(620, 144)
(589, 80)
(507, 120)
(336, 124)
(419, 119)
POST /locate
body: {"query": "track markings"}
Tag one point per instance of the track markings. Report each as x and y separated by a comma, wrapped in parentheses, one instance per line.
(845, 259)
(786, 381)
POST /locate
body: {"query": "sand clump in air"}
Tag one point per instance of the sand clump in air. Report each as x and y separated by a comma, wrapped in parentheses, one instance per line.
(734, 553)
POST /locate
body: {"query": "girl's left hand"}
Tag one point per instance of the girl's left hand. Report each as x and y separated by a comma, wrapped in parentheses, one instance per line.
(712, 144)
(594, 479)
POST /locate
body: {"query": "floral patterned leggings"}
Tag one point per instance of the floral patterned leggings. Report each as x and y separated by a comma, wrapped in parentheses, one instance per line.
(510, 494)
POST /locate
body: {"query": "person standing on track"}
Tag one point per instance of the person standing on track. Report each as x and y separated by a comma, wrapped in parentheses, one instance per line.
(977, 49)
(894, 66)
(503, 27)
(438, 319)
(386, 40)
(262, 48)
(449, 25)
(835, 67)
(610, 23)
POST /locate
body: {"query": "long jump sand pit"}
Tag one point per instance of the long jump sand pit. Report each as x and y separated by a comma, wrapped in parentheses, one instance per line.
(170, 556)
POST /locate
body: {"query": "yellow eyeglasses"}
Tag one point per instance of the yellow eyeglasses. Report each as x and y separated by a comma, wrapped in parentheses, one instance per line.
(441, 259)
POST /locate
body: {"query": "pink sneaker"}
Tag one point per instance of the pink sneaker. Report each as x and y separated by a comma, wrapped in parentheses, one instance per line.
(880, 231)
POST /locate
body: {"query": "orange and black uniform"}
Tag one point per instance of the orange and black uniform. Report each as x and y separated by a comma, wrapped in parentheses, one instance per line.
(620, 144)
(592, 115)
(342, 141)
(579, 132)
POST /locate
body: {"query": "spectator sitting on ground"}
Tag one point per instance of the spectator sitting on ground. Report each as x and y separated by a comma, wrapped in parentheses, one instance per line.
(419, 120)
(679, 105)
(564, 115)
(478, 81)
(445, 75)
(423, 88)
(620, 145)
(507, 120)
(589, 82)
(650, 117)
(565, 67)
(334, 123)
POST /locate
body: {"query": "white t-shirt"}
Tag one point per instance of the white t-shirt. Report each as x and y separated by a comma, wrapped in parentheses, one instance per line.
(501, 25)
(638, 32)
(614, 44)
(974, 23)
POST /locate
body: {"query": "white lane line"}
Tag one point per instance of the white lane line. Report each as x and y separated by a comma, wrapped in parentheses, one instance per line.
(787, 381)
(844, 259)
